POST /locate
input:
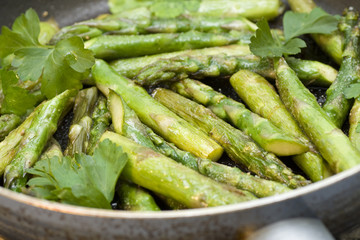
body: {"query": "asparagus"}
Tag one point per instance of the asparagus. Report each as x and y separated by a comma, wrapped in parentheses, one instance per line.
(331, 142)
(354, 120)
(126, 122)
(84, 103)
(329, 43)
(155, 115)
(261, 130)
(219, 172)
(162, 175)
(78, 137)
(134, 198)
(101, 121)
(213, 62)
(253, 9)
(237, 145)
(10, 145)
(54, 149)
(111, 46)
(336, 106)
(47, 30)
(8, 122)
(34, 140)
(171, 203)
(261, 98)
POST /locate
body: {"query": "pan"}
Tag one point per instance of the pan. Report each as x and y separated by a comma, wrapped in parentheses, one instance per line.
(335, 201)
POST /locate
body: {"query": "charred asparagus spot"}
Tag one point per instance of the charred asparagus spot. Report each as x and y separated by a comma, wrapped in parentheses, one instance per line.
(155, 115)
(112, 47)
(261, 130)
(134, 198)
(337, 106)
(34, 140)
(329, 43)
(163, 175)
(101, 122)
(261, 97)
(239, 147)
(331, 142)
(8, 122)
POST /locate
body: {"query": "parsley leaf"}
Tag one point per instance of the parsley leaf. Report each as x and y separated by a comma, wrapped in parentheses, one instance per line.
(15, 100)
(59, 67)
(317, 21)
(88, 181)
(353, 91)
(264, 45)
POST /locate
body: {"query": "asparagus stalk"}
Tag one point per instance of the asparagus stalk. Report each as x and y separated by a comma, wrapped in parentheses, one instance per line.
(78, 137)
(253, 9)
(354, 120)
(162, 175)
(331, 142)
(8, 122)
(101, 121)
(134, 198)
(47, 30)
(34, 140)
(329, 43)
(219, 172)
(213, 62)
(84, 103)
(112, 47)
(237, 145)
(171, 203)
(261, 98)
(156, 115)
(10, 145)
(54, 149)
(336, 106)
(261, 130)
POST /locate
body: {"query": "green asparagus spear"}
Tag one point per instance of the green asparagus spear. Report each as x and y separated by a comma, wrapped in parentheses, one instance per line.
(213, 62)
(78, 137)
(336, 106)
(171, 203)
(261, 98)
(83, 31)
(155, 115)
(54, 149)
(47, 30)
(329, 43)
(8, 122)
(219, 172)
(111, 46)
(162, 175)
(84, 103)
(134, 198)
(261, 130)
(331, 142)
(252, 9)
(34, 140)
(10, 145)
(101, 121)
(237, 145)
(354, 120)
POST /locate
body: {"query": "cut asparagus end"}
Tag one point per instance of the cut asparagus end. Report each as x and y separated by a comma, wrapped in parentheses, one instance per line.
(117, 111)
(285, 147)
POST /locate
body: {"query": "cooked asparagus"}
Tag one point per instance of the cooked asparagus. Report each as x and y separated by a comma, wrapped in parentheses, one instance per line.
(331, 142)
(156, 115)
(261, 130)
(8, 122)
(134, 198)
(162, 175)
(240, 147)
(354, 120)
(112, 47)
(261, 97)
(337, 106)
(34, 140)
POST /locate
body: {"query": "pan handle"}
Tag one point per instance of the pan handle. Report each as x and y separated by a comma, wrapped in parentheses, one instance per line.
(294, 229)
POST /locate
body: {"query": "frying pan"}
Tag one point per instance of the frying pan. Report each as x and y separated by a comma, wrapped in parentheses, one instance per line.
(335, 200)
